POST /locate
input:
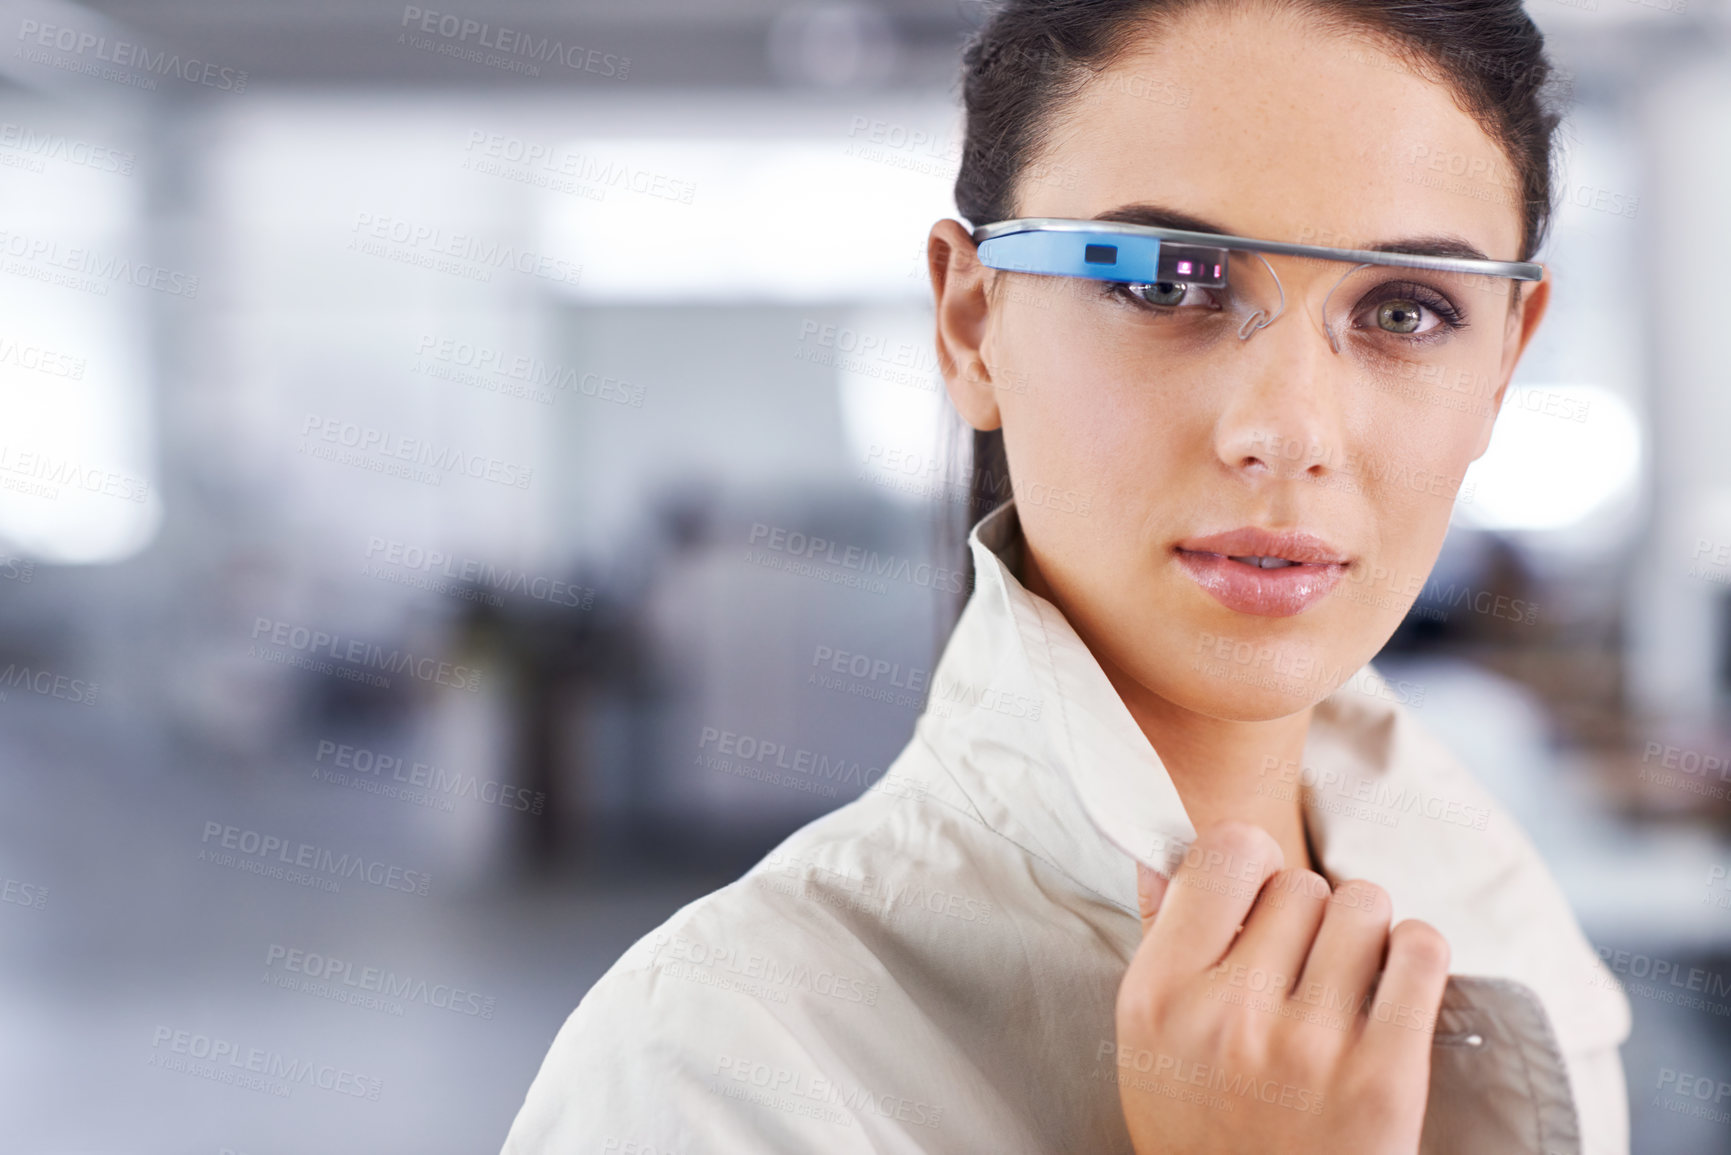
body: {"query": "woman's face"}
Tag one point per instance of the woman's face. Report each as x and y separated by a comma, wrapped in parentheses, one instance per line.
(1129, 466)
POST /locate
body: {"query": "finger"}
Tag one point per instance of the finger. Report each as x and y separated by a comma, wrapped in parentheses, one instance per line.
(1402, 1015)
(1209, 895)
(1347, 953)
(1279, 929)
(1150, 889)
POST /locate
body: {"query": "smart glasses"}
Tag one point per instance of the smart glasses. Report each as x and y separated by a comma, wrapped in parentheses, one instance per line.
(1430, 320)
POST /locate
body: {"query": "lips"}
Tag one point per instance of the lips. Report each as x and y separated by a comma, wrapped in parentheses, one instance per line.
(1267, 573)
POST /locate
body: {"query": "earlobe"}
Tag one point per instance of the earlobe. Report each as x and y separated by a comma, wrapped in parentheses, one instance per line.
(963, 308)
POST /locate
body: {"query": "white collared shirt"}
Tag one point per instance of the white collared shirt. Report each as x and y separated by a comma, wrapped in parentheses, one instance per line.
(933, 967)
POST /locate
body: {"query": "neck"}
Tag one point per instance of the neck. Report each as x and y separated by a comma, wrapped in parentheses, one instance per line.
(1218, 766)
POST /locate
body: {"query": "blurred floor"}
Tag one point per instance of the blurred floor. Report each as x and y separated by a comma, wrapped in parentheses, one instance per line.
(137, 936)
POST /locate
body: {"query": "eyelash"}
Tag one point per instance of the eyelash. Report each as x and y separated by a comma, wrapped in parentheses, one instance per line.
(1120, 290)
(1451, 318)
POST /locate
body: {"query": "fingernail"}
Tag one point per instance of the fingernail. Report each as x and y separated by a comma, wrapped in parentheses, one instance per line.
(1150, 888)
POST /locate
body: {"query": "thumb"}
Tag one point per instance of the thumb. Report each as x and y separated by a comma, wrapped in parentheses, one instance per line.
(1150, 890)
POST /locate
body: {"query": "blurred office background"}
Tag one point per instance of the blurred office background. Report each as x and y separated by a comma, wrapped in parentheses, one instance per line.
(392, 407)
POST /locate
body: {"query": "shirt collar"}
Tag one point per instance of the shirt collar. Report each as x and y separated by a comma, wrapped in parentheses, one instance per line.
(1048, 754)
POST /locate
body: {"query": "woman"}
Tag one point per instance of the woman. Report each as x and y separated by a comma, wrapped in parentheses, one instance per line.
(1234, 461)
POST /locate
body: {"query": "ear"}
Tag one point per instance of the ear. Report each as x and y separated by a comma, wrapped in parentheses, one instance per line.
(1523, 322)
(959, 290)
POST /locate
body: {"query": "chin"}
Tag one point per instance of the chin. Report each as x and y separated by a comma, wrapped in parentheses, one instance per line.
(1247, 672)
(1214, 697)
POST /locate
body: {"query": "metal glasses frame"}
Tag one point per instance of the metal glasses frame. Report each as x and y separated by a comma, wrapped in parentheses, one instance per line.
(1145, 254)
(1106, 233)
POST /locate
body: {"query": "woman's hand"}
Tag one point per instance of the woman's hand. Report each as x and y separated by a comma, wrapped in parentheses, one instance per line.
(1271, 1039)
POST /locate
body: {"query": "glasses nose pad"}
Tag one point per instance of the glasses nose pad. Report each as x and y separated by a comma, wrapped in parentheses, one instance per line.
(1261, 318)
(1327, 323)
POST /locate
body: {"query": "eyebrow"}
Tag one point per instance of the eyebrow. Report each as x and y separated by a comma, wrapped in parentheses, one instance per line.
(1160, 216)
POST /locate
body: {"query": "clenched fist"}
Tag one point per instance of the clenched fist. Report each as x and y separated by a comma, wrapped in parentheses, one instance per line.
(1266, 1012)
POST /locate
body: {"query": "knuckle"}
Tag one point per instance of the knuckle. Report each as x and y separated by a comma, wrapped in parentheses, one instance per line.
(1420, 945)
(1293, 883)
(1358, 894)
(1308, 1054)
(1146, 1000)
(1375, 1098)
(1138, 1008)
(1242, 1041)
(1241, 842)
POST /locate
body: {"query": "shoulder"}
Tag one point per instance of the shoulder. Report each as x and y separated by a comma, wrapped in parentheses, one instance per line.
(793, 1009)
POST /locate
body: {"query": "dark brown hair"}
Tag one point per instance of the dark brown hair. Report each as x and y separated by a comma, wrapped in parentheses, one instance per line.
(1030, 56)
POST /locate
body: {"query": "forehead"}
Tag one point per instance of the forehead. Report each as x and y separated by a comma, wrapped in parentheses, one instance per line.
(1276, 127)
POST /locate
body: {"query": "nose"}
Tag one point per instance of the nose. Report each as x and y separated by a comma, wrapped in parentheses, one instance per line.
(1281, 416)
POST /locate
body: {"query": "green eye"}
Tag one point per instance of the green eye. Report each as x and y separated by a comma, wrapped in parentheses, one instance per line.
(1162, 292)
(1399, 316)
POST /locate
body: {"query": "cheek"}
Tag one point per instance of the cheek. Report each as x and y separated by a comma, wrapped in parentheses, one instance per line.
(1413, 477)
(1091, 410)
(1088, 436)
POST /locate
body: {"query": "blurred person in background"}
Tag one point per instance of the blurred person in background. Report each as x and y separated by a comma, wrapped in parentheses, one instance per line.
(1167, 867)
